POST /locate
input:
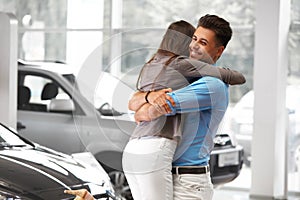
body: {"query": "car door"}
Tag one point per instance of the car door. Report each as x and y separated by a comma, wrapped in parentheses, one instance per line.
(56, 130)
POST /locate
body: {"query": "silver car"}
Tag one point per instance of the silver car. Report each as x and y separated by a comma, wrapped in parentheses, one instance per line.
(53, 112)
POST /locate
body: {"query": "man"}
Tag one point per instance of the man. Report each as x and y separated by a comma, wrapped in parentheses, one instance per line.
(205, 102)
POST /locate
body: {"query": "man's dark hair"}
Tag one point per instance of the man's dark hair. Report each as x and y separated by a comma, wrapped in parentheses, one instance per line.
(218, 25)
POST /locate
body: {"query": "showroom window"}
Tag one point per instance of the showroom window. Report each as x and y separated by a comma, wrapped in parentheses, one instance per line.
(69, 30)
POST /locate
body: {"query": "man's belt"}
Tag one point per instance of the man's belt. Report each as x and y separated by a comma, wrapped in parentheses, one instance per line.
(190, 170)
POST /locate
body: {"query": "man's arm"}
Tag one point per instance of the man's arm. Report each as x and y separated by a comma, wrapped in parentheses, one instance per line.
(200, 95)
(155, 108)
(154, 98)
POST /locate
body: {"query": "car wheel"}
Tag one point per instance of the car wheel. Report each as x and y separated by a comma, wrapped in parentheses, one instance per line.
(120, 184)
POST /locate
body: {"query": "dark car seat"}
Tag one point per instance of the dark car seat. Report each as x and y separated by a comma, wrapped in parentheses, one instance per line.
(50, 91)
(23, 97)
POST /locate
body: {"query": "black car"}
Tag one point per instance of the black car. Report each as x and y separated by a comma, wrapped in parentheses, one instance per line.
(226, 160)
(29, 171)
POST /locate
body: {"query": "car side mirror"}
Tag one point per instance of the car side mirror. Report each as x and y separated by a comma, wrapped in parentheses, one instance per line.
(107, 110)
(61, 105)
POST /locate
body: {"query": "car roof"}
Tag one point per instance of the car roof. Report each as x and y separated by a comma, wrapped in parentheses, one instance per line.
(53, 66)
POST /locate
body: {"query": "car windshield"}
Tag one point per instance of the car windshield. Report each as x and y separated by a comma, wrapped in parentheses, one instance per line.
(108, 90)
(8, 139)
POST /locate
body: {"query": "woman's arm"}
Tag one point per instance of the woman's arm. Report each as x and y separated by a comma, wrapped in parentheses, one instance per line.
(137, 100)
(231, 77)
(149, 112)
(195, 68)
(140, 98)
(157, 106)
(202, 94)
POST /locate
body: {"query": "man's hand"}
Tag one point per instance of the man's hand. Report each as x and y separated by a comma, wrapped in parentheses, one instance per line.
(159, 100)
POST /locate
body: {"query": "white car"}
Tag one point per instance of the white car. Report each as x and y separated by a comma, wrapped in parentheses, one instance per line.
(241, 124)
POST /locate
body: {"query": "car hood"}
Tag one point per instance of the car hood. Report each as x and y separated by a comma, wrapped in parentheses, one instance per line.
(37, 173)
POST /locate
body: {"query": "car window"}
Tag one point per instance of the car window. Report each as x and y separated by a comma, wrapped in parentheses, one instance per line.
(36, 93)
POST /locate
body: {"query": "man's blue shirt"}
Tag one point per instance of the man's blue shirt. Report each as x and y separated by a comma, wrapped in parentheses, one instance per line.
(204, 102)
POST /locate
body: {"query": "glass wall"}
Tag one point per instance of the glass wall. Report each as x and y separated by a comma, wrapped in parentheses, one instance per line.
(69, 30)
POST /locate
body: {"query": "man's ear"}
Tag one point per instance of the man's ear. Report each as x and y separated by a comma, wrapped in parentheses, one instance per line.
(220, 51)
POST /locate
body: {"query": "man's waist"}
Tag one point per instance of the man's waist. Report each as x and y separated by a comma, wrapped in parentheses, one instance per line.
(192, 161)
(190, 169)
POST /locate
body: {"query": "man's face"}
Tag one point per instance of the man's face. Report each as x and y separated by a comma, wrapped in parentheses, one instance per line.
(204, 47)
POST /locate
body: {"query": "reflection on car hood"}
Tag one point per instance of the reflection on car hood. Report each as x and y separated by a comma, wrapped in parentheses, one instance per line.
(39, 174)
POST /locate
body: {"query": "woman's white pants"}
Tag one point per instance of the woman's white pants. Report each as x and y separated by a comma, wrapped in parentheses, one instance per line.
(147, 164)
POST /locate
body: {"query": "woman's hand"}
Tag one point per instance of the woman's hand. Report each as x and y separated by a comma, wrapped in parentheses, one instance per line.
(81, 194)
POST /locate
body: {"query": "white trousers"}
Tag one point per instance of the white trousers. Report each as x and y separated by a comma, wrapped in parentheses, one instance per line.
(147, 164)
(192, 187)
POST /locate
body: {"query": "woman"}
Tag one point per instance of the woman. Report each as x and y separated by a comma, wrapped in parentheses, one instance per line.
(148, 155)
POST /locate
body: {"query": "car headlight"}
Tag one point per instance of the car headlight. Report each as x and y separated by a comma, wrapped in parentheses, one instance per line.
(6, 195)
(222, 140)
(95, 168)
(104, 191)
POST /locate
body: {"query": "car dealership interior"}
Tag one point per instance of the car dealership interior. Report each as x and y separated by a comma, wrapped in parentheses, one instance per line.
(69, 67)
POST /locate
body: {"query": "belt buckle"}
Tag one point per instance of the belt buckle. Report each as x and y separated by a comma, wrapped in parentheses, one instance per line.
(206, 168)
(177, 170)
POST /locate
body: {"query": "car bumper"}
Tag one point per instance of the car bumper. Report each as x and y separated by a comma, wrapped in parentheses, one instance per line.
(226, 164)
